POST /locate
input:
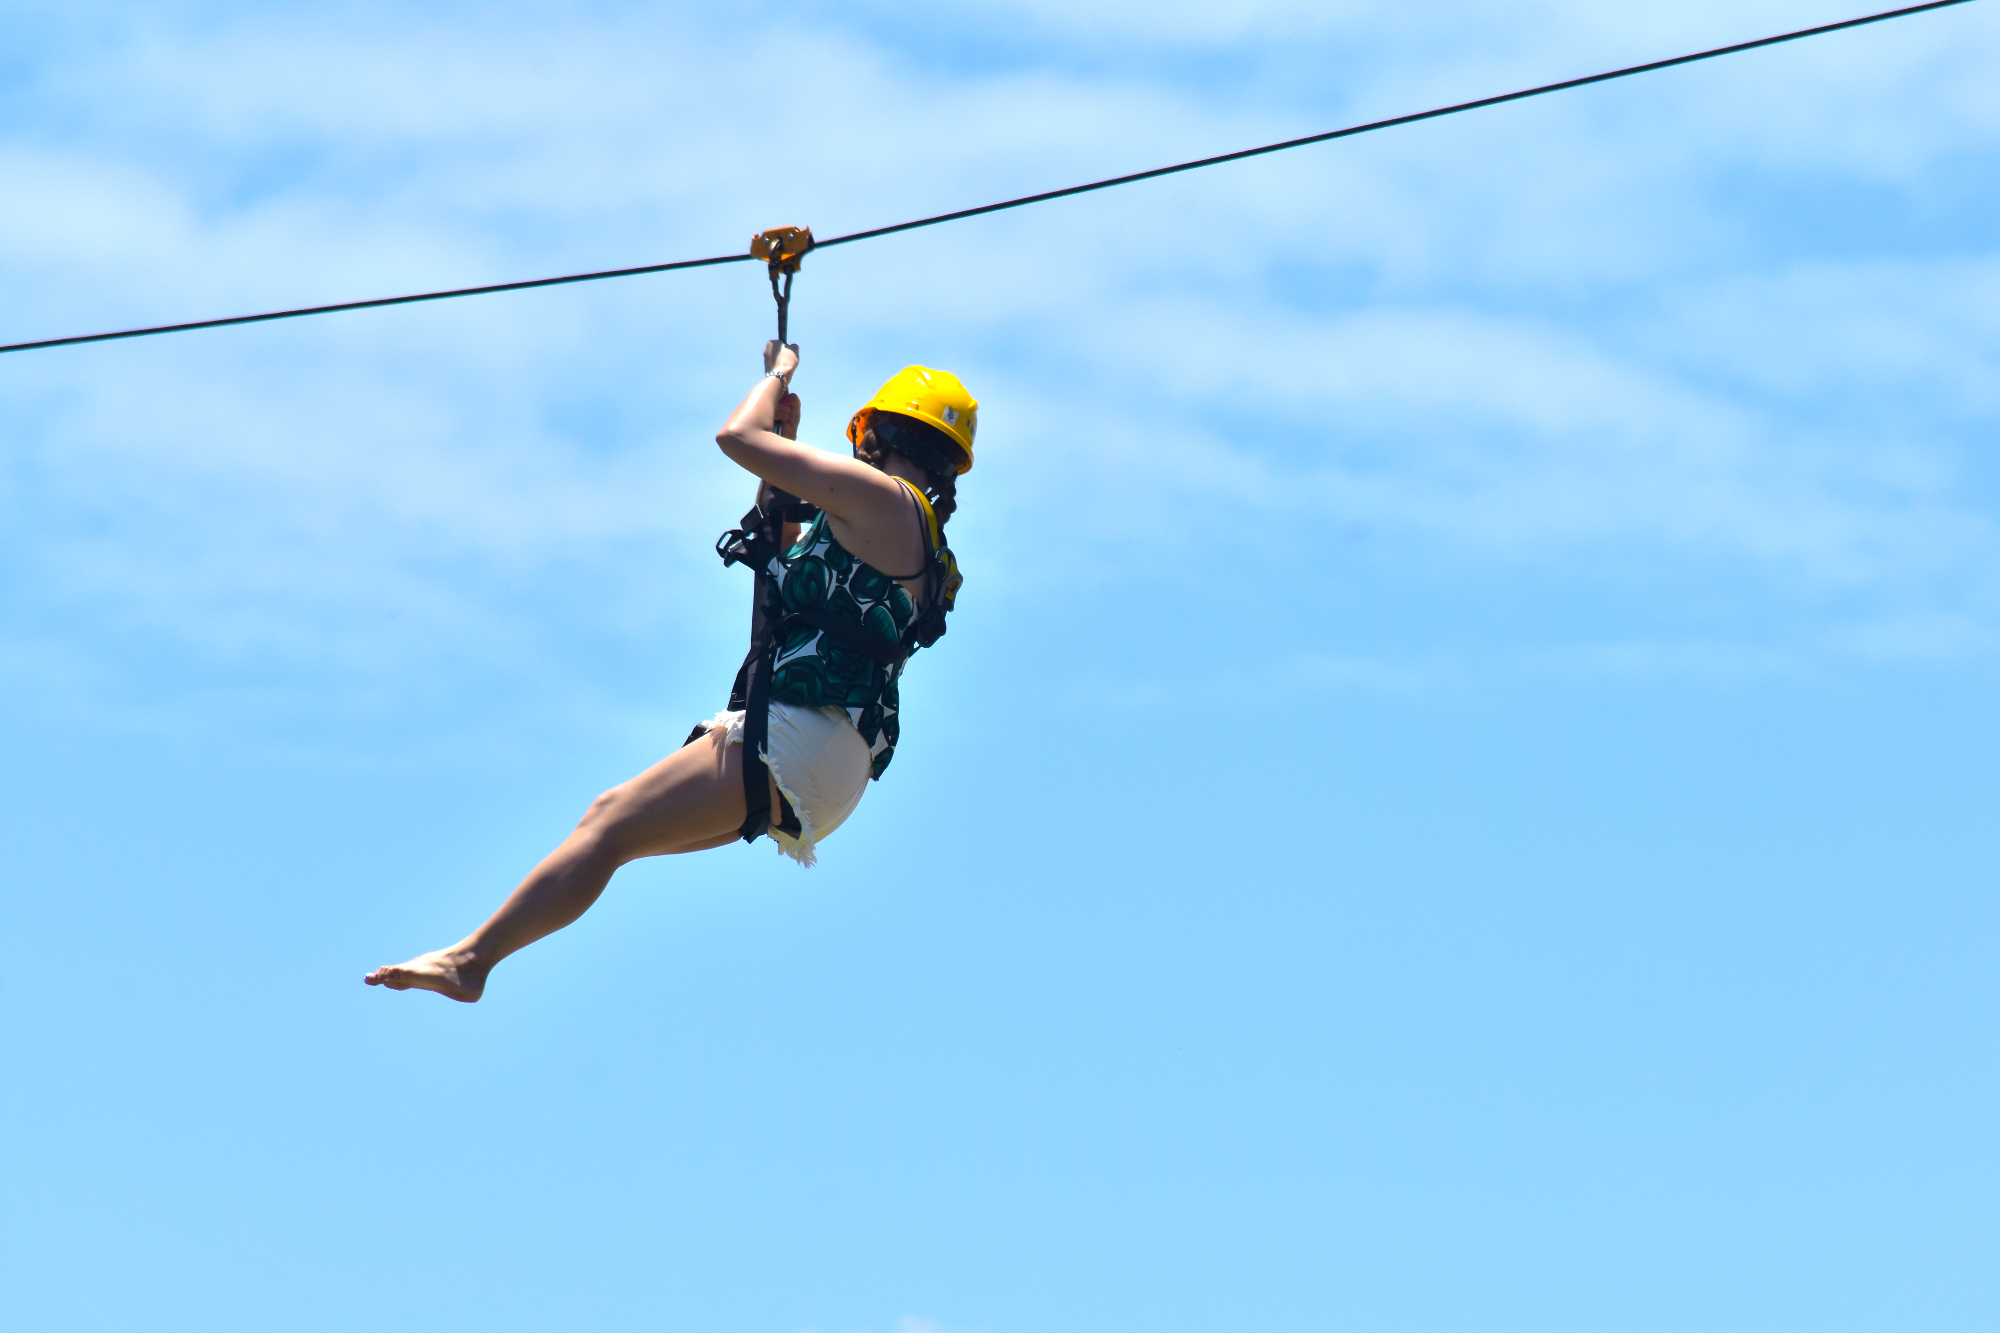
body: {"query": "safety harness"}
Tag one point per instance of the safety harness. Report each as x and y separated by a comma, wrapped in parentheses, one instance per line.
(759, 543)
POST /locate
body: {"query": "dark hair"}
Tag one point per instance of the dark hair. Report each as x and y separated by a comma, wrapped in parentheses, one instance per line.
(923, 444)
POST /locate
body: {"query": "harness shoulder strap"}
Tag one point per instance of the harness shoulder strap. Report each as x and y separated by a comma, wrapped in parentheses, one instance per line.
(942, 567)
(933, 530)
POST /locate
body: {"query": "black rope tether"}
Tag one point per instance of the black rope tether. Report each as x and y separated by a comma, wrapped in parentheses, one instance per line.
(783, 296)
(781, 249)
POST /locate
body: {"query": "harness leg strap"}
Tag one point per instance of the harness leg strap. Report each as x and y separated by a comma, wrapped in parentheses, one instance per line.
(757, 784)
(756, 738)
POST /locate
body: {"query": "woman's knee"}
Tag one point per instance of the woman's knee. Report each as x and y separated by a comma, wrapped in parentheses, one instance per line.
(606, 826)
(679, 803)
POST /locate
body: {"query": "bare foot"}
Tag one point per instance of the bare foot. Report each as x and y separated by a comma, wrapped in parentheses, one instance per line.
(449, 972)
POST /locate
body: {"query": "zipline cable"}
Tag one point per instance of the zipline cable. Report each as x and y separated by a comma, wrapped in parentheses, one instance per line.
(1023, 201)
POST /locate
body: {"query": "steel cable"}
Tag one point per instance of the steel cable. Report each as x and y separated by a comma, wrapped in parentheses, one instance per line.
(1021, 202)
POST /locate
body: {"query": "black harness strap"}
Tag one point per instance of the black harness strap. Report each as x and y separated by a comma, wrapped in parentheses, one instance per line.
(757, 543)
(756, 747)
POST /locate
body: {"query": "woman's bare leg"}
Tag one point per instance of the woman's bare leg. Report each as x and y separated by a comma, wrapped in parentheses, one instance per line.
(690, 801)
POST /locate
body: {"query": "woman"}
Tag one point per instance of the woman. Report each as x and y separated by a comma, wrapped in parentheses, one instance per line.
(842, 600)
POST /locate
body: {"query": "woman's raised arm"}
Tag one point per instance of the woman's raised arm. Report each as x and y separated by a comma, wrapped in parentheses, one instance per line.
(869, 500)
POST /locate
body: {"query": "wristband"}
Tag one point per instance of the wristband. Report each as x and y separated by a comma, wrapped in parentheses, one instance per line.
(784, 381)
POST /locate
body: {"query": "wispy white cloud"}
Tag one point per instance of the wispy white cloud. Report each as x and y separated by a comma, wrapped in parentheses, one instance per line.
(1566, 328)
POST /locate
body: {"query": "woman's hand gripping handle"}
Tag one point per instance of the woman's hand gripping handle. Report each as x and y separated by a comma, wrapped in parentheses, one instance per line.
(782, 361)
(768, 414)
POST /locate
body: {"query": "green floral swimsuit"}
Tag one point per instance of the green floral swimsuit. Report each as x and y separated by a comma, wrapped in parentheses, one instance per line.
(812, 671)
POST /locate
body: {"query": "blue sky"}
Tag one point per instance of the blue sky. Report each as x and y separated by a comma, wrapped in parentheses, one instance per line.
(1458, 794)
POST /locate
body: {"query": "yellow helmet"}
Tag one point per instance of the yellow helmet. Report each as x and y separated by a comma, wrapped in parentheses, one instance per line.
(934, 397)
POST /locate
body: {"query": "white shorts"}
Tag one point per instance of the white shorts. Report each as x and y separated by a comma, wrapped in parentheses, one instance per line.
(820, 763)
